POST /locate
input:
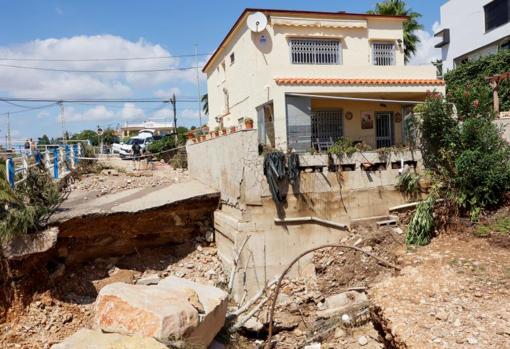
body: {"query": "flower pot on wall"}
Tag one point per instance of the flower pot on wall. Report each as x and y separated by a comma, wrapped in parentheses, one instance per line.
(224, 131)
(233, 129)
(248, 123)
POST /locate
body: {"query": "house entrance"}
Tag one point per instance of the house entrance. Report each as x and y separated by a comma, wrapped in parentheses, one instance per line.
(265, 120)
(384, 129)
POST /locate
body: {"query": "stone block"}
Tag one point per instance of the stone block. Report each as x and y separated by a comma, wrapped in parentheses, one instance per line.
(145, 311)
(88, 339)
(342, 303)
(214, 302)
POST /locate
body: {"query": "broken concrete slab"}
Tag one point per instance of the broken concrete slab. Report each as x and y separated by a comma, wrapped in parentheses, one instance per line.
(146, 311)
(89, 339)
(24, 245)
(151, 279)
(342, 303)
(175, 309)
(214, 302)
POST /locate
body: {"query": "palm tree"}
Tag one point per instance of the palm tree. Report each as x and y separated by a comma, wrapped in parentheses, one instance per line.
(205, 104)
(399, 8)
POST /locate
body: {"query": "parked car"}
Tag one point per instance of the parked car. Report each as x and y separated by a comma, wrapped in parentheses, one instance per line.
(143, 139)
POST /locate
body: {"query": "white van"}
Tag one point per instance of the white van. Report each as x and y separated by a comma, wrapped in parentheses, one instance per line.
(143, 139)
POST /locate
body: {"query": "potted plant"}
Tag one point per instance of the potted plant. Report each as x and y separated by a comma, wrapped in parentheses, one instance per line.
(217, 131)
(248, 123)
(232, 129)
(205, 129)
(224, 131)
(191, 135)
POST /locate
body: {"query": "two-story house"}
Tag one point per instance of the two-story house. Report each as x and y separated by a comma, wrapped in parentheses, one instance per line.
(471, 29)
(309, 78)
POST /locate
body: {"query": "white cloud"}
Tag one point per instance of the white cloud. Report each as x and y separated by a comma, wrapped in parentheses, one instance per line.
(101, 113)
(163, 113)
(35, 83)
(426, 52)
(167, 93)
(189, 114)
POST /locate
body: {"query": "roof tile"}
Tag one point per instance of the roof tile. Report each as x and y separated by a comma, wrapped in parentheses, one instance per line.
(333, 82)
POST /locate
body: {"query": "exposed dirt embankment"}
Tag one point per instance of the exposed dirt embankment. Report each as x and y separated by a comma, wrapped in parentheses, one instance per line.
(105, 234)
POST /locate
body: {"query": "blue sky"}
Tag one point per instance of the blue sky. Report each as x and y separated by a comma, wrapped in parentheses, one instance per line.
(113, 29)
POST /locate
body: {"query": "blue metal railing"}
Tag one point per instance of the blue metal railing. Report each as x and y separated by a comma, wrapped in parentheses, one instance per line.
(58, 161)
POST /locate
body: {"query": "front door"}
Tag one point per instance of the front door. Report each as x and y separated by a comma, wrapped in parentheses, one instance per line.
(384, 129)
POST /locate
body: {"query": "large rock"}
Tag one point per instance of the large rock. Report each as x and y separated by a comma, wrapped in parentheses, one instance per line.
(88, 339)
(175, 309)
(214, 302)
(146, 311)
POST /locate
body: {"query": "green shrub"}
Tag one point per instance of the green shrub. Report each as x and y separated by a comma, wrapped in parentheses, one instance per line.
(409, 184)
(421, 228)
(467, 83)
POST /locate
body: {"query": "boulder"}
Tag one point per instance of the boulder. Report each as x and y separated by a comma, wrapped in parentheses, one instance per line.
(342, 303)
(88, 339)
(175, 309)
(146, 311)
(214, 302)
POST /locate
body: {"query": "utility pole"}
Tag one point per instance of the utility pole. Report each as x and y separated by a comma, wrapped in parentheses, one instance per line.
(173, 101)
(198, 88)
(62, 121)
(9, 140)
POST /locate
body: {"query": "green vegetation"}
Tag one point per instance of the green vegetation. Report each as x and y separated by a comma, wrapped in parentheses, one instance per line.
(108, 137)
(409, 184)
(411, 26)
(500, 225)
(467, 87)
(26, 208)
(345, 146)
(421, 228)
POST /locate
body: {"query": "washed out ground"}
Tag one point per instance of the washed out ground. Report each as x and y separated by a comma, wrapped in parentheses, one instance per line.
(452, 293)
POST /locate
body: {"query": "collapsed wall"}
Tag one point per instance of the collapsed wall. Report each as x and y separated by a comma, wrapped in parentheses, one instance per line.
(258, 238)
(31, 263)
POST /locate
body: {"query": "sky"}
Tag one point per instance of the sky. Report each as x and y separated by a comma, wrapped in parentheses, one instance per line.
(115, 29)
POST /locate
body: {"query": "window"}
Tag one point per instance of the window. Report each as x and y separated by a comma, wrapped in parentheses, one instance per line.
(327, 127)
(315, 51)
(497, 13)
(383, 53)
(232, 58)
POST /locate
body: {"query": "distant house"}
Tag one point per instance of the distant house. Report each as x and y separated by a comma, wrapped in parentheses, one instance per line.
(471, 29)
(157, 128)
(309, 78)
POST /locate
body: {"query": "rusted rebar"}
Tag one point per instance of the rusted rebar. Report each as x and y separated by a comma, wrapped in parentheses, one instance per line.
(279, 283)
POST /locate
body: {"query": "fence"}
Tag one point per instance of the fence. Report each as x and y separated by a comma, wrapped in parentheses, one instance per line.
(58, 161)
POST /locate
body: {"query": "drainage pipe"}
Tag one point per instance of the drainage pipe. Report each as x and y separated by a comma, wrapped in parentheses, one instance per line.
(310, 220)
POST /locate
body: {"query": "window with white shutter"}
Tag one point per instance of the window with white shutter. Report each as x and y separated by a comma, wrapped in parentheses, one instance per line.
(315, 51)
(383, 53)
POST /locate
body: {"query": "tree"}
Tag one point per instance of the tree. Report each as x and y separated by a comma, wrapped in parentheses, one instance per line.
(411, 26)
(44, 140)
(205, 104)
(109, 136)
(87, 135)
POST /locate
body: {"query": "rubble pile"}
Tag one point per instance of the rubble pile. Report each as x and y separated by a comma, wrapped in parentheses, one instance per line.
(110, 181)
(331, 309)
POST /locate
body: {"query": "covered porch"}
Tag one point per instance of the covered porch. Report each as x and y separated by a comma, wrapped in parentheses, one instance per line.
(315, 122)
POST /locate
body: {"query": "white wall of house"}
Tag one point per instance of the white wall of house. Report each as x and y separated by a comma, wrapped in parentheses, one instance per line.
(250, 79)
(468, 37)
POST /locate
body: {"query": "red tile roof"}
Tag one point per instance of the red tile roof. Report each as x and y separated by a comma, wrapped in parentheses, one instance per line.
(377, 82)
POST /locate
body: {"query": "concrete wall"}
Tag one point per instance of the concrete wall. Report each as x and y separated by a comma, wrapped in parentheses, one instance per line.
(230, 164)
(250, 79)
(466, 21)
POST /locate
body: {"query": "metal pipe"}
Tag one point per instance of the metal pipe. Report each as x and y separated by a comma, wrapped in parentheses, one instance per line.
(311, 219)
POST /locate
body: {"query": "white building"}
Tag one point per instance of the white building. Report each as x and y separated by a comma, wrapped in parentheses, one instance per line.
(308, 78)
(158, 128)
(471, 29)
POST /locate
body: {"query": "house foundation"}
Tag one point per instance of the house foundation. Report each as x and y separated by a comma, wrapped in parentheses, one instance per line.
(257, 237)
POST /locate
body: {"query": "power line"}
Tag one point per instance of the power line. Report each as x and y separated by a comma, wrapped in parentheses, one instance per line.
(98, 59)
(95, 100)
(96, 71)
(27, 108)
